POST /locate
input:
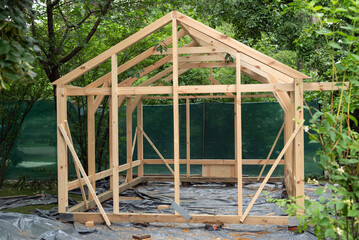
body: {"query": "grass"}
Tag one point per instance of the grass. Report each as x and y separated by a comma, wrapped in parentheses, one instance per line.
(31, 188)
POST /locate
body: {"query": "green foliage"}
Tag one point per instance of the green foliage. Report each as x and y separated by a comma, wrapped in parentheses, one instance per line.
(15, 44)
(335, 214)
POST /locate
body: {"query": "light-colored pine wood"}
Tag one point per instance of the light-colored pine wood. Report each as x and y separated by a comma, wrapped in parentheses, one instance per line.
(114, 50)
(62, 155)
(133, 144)
(202, 58)
(190, 50)
(218, 171)
(240, 46)
(271, 150)
(99, 99)
(211, 96)
(188, 138)
(215, 81)
(91, 141)
(82, 170)
(83, 194)
(269, 174)
(175, 53)
(114, 134)
(222, 64)
(140, 138)
(298, 167)
(183, 89)
(195, 218)
(132, 62)
(238, 130)
(156, 150)
(129, 174)
(214, 161)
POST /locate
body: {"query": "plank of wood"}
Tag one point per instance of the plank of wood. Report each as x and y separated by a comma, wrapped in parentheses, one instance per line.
(271, 150)
(114, 134)
(133, 144)
(286, 146)
(83, 194)
(215, 81)
(298, 166)
(240, 47)
(62, 160)
(175, 53)
(222, 64)
(238, 129)
(202, 58)
(132, 62)
(79, 71)
(156, 150)
(82, 170)
(324, 86)
(183, 89)
(247, 61)
(91, 141)
(210, 96)
(214, 161)
(170, 218)
(190, 50)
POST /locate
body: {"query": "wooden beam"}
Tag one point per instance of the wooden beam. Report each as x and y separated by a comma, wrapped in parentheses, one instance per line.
(79, 71)
(298, 166)
(215, 81)
(195, 89)
(88, 183)
(91, 141)
(62, 155)
(222, 64)
(238, 133)
(190, 50)
(269, 174)
(132, 62)
(175, 53)
(271, 150)
(324, 86)
(240, 47)
(201, 58)
(214, 161)
(140, 138)
(114, 133)
(209, 96)
(170, 218)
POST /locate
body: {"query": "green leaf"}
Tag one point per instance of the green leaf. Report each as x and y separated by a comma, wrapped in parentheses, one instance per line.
(334, 45)
(329, 232)
(324, 31)
(325, 222)
(340, 205)
(4, 46)
(353, 213)
(319, 191)
(353, 119)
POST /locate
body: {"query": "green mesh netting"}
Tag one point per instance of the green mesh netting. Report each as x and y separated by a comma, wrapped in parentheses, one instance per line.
(212, 137)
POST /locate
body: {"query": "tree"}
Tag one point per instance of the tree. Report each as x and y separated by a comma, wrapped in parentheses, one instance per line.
(15, 44)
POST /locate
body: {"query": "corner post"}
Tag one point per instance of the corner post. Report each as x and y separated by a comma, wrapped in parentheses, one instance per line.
(175, 110)
(62, 156)
(129, 138)
(238, 132)
(140, 138)
(288, 157)
(91, 146)
(114, 135)
(298, 167)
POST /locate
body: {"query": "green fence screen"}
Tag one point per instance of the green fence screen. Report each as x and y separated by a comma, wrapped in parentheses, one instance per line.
(212, 137)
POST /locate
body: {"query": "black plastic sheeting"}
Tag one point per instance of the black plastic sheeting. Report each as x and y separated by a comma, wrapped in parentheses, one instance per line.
(196, 199)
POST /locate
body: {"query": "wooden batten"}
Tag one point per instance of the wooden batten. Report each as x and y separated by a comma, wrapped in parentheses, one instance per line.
(129, 138)
(175, 110)
(62, 155)
(140, 138)
(238, 132)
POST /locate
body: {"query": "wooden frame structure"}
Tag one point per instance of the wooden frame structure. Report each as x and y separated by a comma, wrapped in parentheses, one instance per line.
(207, 50)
